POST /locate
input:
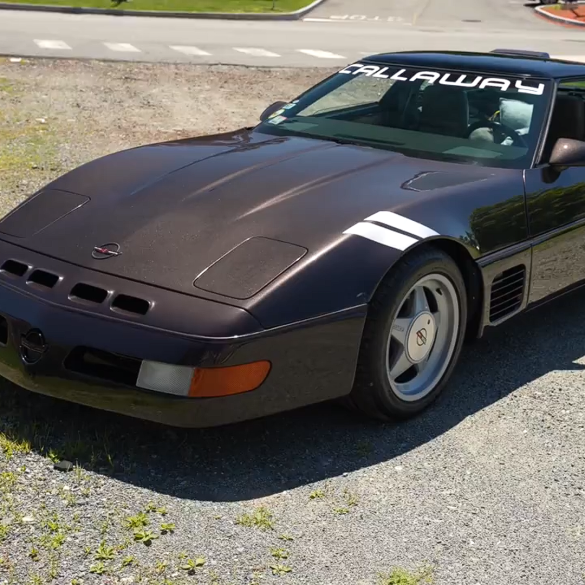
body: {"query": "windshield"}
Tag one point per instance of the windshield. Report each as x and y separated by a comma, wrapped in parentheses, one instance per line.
(473, 118)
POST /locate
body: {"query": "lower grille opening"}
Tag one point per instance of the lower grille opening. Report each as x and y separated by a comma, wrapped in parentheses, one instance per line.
(104, 365)
(13, 267)
(43, 279)
(88, 293)
(127, 304)
(3, 331)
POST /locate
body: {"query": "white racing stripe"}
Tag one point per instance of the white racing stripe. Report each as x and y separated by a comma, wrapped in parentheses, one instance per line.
(49, 44)
(402, 223)
(122, 47)
(256, 52)
(187, 50)
(321, 54)
(381, 235)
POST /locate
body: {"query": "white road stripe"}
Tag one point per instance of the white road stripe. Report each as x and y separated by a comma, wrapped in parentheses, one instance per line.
(187, 50)
(321, 54)
(256, 52)
(48, 44)
(324, 20)
(381, 235)
(122, 47)
(402, 223)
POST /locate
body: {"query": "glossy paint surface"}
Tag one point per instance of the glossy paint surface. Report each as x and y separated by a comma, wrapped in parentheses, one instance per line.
(556, 211)
(183, 213)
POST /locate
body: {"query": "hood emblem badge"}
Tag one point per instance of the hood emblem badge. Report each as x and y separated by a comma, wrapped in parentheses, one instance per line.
(106, 251)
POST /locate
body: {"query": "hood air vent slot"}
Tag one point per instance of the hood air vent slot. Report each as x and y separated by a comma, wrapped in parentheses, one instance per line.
(507, 292)
(42, 279)
(14, 268)
(128, 304)
(88, 294)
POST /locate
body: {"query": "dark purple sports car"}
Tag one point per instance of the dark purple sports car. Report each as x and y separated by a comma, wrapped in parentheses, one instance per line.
(344, 248)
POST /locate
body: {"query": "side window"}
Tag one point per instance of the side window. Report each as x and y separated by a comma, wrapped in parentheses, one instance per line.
(568, 116)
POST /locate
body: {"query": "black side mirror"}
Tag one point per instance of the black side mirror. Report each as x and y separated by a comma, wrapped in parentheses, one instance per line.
(568, 153)
(271, 110)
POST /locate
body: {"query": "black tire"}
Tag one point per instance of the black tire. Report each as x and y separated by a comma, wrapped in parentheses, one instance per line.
(372, 393)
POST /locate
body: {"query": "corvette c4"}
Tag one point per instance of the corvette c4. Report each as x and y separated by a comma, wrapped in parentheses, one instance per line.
(344, 248)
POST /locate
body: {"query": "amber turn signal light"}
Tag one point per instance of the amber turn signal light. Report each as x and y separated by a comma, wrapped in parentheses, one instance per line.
(214, 382)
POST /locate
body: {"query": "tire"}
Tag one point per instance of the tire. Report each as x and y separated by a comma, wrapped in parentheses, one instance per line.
(440, 334)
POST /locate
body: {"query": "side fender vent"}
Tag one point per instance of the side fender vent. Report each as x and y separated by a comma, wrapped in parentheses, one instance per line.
(507, 292)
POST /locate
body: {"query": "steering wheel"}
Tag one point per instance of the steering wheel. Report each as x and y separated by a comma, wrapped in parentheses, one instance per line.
(504, 129)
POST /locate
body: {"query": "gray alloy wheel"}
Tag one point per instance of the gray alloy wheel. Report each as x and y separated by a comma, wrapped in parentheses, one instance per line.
(423, 337)
(412, 337)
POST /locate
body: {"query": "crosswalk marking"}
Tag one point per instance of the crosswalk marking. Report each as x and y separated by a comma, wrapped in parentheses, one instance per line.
(320, 54)
(187, 50)
(49, 44)
(256, 52)
(55, 44)
(122, 47)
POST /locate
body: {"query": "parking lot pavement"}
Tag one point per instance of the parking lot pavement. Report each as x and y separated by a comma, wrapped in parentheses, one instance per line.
(330, 36)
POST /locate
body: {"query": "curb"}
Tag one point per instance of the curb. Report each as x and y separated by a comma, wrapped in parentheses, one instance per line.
(560, 19)
(297, 15)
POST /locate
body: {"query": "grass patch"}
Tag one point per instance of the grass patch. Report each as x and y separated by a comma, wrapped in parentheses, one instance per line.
(7, 87)
(261, 518)
(400, 576)
(248, 6)
(9, 443)
(25, 145)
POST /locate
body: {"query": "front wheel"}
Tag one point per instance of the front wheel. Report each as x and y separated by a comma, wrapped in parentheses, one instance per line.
(412, 338)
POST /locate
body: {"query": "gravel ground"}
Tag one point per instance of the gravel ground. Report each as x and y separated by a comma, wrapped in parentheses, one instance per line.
(487, 487)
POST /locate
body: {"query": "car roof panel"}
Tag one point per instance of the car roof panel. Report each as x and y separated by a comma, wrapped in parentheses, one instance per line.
(524, 66)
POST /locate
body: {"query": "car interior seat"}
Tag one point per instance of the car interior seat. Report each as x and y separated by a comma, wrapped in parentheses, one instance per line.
(444, 110)
(514, 114)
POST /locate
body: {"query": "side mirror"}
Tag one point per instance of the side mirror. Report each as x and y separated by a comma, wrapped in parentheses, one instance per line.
(271, 109)
(568, 153)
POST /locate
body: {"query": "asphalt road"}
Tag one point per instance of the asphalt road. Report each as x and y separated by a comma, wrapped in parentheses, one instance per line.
(331, 35)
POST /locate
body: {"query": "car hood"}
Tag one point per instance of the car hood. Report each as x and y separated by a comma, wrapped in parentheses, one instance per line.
(176, 208)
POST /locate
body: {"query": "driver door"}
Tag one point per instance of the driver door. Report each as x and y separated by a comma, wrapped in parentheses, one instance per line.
(556, 203)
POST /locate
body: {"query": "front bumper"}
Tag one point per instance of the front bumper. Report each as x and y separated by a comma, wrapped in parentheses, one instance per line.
(93, 359)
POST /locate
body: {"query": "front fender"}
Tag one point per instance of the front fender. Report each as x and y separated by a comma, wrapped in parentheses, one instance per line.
(347, 272)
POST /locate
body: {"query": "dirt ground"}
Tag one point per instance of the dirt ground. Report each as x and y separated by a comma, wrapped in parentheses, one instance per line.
(58, 114)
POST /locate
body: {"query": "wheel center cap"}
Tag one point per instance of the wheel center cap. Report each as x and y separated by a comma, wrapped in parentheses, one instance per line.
(420, 337)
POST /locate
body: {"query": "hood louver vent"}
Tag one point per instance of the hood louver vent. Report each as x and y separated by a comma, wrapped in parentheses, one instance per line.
(507, 292)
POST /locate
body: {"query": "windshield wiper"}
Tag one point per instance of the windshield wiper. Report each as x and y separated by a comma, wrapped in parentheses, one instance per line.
(350, 140)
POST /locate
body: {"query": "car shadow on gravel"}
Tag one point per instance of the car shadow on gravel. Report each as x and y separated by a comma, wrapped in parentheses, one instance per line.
(264, 457)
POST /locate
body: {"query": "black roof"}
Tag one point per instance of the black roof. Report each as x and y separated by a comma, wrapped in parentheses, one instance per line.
(527, 66)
